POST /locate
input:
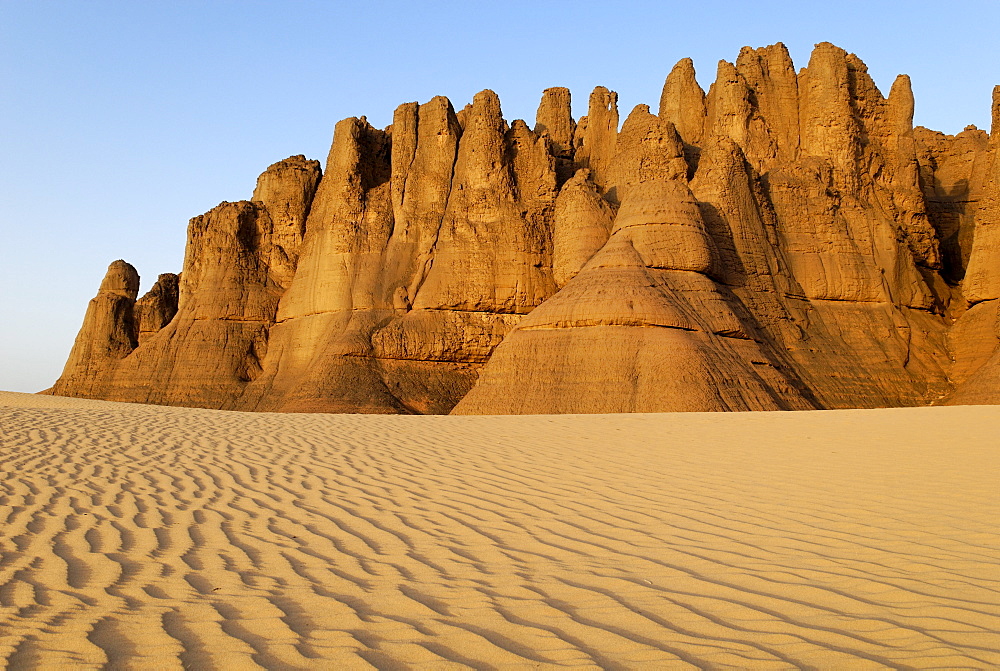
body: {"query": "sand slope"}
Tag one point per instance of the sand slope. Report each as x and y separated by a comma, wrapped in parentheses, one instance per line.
(153, 537)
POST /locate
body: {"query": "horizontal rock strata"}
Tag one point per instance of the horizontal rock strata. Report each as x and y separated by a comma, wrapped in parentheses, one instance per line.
(785, 240)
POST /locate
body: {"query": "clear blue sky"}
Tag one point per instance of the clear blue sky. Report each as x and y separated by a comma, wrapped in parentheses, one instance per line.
(121, 120)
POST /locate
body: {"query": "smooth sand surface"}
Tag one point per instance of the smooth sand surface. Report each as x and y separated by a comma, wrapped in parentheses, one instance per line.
(166, 538)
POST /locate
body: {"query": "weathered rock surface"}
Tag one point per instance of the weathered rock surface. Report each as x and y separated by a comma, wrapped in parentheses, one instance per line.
(581, 224)
(682, 103)
(975, 338)
(157, 307)
(203, 334)
(641, 323)
(555, 119)
(108, 334)
(597, 136)
(785, 241)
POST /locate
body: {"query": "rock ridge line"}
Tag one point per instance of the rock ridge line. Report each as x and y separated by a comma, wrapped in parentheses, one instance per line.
(794, 239)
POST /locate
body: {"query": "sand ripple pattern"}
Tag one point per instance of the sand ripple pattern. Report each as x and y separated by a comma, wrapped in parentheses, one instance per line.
(147, 537)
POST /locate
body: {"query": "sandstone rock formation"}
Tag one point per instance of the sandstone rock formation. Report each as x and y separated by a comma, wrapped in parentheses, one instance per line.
(107, 336)
(784, 241)
(975, 338)
(157, 308)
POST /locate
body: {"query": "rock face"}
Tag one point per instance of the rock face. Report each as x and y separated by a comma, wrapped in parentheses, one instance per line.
(108, 335)
(157, 308)
(784, 241)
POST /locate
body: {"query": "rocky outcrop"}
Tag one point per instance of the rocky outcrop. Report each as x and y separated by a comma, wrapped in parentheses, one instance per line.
(641, 328)
(784, 241)
(682, 103)
(108, 335)
(555, 119)
(285, 190)
(157, 307)
(581, 224)
(975, 338)
(596, 139)
(202, 336)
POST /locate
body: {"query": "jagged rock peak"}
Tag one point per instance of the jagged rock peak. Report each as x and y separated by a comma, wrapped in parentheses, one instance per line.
(122, 279)
(682, 102)
(596, 142)
(995, 127)
(647, 149)
(286, 189)
(486, 108)
(555, 117)
(158, 306)
(108, 334)
(901, 104)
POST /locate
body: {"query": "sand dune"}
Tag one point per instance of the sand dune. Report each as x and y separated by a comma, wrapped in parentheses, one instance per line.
(167, 538)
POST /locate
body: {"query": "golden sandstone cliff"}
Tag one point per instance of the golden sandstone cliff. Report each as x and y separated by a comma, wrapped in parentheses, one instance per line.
(785, 241)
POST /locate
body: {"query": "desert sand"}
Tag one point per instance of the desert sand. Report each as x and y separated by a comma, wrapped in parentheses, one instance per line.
(153, 537)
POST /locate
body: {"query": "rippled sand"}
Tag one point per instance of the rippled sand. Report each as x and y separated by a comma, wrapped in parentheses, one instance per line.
(149, 537)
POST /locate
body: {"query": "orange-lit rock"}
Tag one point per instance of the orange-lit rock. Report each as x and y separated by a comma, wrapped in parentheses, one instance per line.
(786, 240)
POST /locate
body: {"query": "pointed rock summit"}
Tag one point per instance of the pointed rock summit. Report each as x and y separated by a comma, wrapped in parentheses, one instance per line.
(682, 102)
(108, 335)
(786, 240)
